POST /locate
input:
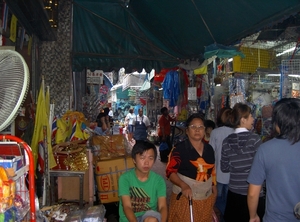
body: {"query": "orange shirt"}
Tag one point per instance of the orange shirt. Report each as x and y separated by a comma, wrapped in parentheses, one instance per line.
(164, 125)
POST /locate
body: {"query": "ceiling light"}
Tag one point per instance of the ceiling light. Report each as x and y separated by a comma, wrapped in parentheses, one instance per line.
(273, 74)
(286, 51)
(291, 75)
(230, 60)
(297, 76)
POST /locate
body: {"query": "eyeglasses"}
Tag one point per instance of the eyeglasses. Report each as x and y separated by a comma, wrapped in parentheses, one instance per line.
(193, 127)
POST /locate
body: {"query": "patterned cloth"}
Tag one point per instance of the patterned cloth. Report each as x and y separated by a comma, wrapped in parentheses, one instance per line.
(179, 210)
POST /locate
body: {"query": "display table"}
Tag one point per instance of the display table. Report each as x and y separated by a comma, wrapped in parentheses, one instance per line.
(66, 173)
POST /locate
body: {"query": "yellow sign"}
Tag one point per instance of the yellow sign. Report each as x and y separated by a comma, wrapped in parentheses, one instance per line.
(13, 28)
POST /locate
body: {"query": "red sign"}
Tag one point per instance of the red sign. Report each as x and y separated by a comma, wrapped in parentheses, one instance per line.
(105, 182)
(103, 196)
(103, 89)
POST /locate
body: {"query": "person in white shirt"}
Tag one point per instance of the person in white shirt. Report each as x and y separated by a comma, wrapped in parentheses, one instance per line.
(129, 121)
(141, 124)
(111, 113)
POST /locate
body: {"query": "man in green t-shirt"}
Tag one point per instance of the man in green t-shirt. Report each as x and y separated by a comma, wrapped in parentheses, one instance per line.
(142, 192)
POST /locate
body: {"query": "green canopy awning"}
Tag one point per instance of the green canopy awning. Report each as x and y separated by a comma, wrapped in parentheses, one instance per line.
(159, 34)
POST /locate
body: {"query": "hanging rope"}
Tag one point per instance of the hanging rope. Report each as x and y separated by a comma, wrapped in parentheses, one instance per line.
(203, 21)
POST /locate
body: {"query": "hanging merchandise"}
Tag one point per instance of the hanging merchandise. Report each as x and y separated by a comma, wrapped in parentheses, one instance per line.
(171, 87)
(183, 115)
(161, 76)
(147, 84)
(204, 90)
(205, 63)
(184, 83)
(192, 93)
(290, 79)
(237, 91)
(175, 87)
(263, 92)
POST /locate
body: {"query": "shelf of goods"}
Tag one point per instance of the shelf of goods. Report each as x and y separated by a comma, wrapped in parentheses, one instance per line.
(16, 166)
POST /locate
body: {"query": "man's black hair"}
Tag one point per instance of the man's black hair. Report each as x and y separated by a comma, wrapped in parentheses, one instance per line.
(209, 123)
(141, 146)
(162, 110)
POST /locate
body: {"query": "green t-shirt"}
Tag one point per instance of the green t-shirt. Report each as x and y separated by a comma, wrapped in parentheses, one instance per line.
(143, 195)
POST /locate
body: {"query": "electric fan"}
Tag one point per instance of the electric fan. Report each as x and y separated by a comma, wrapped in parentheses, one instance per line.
(14, 83)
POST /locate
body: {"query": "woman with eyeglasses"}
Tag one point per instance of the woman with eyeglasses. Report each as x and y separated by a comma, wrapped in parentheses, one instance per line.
(237, 155)
(191, 169)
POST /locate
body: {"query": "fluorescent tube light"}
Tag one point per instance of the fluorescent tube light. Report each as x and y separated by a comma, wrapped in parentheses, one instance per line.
(286, 51)
(291, 75)
(273, 74)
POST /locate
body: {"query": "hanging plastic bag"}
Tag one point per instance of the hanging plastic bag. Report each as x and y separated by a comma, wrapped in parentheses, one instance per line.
(163, 146)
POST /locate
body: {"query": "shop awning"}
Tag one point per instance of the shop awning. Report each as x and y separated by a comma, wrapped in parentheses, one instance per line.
(135, 34)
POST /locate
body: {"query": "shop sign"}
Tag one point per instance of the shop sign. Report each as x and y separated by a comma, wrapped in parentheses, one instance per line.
(95, 77)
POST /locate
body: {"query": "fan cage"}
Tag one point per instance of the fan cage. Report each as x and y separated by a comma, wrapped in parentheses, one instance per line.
(14, 84)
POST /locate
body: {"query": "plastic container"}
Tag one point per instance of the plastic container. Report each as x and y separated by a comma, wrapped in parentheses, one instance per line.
(95, 214)
(14, 162)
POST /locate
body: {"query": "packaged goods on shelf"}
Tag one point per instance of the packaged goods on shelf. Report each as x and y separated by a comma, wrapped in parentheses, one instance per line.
(14, 162)
(107, 147)
(7, 191)
(71, 156)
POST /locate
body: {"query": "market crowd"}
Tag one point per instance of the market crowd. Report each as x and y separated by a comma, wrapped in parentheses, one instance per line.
(223, 166)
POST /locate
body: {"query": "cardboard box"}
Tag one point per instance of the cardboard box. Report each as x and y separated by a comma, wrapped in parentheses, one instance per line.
(107, 176)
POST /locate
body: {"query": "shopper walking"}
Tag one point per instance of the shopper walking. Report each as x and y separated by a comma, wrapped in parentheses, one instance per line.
(129, 122)
(217, 136)
(141, 124)
(164, 132)
(237, 155)
(277, 163)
